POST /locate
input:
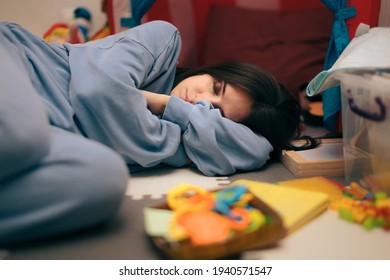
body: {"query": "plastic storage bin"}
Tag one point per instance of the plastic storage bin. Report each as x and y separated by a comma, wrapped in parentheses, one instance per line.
(366, 129)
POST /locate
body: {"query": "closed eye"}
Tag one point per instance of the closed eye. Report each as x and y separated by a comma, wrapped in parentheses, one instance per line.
(218, 87)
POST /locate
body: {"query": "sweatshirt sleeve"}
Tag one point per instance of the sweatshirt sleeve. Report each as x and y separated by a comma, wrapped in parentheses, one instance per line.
(106, 76)
(109, 107)
(216, 144)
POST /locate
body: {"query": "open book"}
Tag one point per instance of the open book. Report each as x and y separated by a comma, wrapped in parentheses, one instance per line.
(369, 52)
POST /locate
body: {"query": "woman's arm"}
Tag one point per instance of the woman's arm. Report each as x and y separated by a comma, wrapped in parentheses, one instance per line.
(216, 144)
(156, 103)
(107, 76)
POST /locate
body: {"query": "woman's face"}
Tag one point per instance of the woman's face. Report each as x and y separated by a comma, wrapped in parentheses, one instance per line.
(234, 103)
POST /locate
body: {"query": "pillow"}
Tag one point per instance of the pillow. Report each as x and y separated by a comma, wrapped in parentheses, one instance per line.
(292, 45)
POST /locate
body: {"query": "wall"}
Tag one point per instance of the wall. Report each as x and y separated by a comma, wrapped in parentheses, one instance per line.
(38, 15)
(384, 17)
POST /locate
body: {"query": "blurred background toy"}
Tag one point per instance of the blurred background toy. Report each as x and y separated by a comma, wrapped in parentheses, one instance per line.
(76, 31)
(120, 14)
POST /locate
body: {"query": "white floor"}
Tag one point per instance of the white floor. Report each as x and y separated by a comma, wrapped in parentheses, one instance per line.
(156, 183)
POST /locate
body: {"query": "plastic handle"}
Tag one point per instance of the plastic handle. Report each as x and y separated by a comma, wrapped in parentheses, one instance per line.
(368, 115)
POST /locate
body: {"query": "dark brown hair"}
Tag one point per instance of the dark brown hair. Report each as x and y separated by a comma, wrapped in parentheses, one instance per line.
(275, 114)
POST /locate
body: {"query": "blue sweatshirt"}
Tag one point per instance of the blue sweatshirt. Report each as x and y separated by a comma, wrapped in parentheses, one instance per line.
(96, 93)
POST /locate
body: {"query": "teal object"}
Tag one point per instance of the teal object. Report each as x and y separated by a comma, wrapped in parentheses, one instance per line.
(138, 9)
(331, 98)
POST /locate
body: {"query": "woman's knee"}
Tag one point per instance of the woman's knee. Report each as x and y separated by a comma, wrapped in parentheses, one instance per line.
(79, 184)
(95, 186)
(105, 176)
(97, 176)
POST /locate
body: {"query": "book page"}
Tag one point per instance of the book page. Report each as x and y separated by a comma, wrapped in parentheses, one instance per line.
(327, 151)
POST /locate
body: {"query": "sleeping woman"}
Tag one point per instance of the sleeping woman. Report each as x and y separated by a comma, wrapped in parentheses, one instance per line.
(74, 117)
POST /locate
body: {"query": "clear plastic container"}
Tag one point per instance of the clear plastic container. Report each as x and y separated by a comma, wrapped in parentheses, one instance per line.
(366, 129)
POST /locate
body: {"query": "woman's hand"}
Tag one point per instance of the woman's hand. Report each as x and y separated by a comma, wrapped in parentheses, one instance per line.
(156, 102)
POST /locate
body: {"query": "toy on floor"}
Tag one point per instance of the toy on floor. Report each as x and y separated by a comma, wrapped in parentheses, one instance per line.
(206, 217)
(369, 210)
(194, 223)
(74, 32)
(121, 15)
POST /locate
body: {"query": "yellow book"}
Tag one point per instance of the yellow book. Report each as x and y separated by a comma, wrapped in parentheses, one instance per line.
(295, 206)
(317, 184)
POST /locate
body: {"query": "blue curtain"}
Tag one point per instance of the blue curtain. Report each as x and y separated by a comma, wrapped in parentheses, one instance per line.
(138, 10)
(331, 98)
